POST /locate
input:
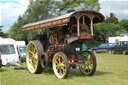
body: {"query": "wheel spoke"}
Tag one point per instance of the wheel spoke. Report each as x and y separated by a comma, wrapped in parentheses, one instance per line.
(57, 67)
(31, 52)
(57, 62)
(60, 72)
(90, 67)
(59, 59)
(63, 62)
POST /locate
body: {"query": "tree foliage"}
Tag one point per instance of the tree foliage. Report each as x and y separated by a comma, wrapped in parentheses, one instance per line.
(124, 24)
(110, 28)
(2, 34)
(105, 30)
(15, 30)
(112, 19)
(78, 4)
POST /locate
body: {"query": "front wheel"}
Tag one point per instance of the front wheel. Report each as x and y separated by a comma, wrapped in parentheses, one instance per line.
(60, 65)
(89, 66)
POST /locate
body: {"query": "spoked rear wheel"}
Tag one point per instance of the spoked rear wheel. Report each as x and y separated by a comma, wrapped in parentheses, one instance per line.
(89, 66)
(33, 57)
(60, 65)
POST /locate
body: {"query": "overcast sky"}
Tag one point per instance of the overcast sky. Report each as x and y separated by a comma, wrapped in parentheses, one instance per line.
(11, 9)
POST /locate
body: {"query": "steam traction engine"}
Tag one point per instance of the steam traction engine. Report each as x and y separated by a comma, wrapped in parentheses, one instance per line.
(62, 46)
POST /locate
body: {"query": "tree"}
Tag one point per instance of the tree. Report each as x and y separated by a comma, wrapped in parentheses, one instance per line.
(77, 5)
(2, 34)
(112, 19)
(104, 30)
(124, 24)
(39, 10)
(15, 31)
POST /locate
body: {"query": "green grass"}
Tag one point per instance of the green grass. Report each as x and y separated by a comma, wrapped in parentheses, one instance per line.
(111, 70)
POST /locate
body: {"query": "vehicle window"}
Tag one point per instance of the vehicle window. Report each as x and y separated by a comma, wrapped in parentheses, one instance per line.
(104, 45)
(12, 50)
(122, 43)
(118, 44)
(125, 43)
(22, 49)
(111, 45)
(7, 49)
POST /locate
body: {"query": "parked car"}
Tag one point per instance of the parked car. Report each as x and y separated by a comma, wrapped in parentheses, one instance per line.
(120, 47)
(105, 47)
(22, 53)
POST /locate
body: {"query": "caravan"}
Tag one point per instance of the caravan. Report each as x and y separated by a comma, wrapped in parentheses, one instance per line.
(8, 49)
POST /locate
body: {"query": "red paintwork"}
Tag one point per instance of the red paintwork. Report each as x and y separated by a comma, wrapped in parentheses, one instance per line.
(70, 58)
(74, 63)
(46, 25)
(84, 37)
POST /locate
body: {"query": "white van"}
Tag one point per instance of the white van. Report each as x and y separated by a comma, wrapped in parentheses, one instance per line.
(8, 49)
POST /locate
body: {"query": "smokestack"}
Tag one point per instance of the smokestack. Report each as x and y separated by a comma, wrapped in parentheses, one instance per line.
(70, 10)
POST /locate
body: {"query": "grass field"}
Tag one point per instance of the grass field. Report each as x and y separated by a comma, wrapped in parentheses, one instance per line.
(111, 70)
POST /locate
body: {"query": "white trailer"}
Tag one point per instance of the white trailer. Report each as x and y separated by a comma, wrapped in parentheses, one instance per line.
(118, 38)
(8, 49)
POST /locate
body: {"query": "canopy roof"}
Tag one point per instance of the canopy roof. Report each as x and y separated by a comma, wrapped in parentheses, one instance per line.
(59, 20)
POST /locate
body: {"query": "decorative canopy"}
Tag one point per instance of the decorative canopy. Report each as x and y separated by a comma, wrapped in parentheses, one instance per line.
(63, 19)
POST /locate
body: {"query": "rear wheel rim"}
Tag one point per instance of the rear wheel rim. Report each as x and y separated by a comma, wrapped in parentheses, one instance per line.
(88, 63)
(32, 58)
(59, 66)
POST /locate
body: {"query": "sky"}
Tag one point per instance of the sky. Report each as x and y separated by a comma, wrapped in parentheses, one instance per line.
(11, 9)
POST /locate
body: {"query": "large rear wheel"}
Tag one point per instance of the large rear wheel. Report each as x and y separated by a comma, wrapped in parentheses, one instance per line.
(33, 57)
(89, 66)
(60, 65)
